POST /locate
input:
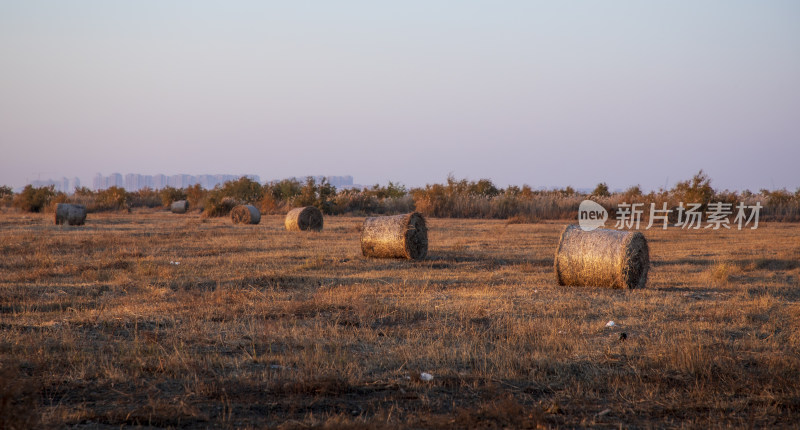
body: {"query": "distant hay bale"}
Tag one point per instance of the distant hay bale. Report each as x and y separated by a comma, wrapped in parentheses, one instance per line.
(70, 214)
(399, 236)
(245, 214)
(306, 218)
(602, 258)
(179, 207)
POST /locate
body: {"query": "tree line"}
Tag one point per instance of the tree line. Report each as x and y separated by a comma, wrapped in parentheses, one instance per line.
(455, 198)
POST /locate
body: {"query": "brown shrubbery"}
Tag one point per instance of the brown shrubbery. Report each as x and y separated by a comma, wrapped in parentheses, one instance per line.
(146, 197)
(111, 199)
(6, 195)
(169, 194)
(33, 199)
(218, 205)
(482, 199)
(222, 199)
(456, 198)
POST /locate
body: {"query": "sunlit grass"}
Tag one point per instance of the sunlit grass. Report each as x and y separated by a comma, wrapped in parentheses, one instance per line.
(168, 320)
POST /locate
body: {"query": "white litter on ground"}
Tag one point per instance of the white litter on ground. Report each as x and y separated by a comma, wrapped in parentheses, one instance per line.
(426, 376)
(610, 324)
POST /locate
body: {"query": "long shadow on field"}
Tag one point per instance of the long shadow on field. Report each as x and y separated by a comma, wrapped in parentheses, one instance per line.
(60, 306)
(773, 264)
(290, 281)
(288, 397)
(692, 292)
(447, 259)
(682, 262)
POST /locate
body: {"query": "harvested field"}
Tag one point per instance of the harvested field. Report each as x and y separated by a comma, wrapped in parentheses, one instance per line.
(150, 319)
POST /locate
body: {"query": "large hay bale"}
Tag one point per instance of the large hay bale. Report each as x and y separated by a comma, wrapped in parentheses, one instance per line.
(602, 258)
(70, 214)
(179, 207)
(306, 218)
(399, 236)
(245, 214)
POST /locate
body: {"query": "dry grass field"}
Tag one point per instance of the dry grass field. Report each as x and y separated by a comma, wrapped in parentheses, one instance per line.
(160, 320)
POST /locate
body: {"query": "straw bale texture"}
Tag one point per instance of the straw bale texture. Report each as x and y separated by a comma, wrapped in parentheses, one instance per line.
(245, 214)
(602, 258)
(70, 214)
(399, 236)
(305, 218)
(179, 207)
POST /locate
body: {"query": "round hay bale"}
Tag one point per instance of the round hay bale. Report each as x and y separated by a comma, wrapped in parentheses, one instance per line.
(306, 218)
(70, 214)
(245, 214)
(179, 207)
(602, 258)
(399, 236)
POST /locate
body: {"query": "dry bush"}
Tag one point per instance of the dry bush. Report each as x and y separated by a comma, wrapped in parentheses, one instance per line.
(170, 194)
(111, 199)
(6, 196)
(538, 206)
(223, 198)
(196, 195)
(695, 190)
(314, 194)
(270, 206)
(219, 206)
(721, 274)
(32, 199)
(244, 190)
(144, 198)
(355, 201)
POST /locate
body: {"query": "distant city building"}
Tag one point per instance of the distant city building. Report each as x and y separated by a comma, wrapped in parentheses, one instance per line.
(115, 180)
(63, 185)
(97, 182)
(159, 181)
(340, 182)
(135, 181)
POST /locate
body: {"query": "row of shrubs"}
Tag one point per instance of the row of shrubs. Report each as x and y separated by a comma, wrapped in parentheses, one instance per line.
(452, 199)
(276, 197)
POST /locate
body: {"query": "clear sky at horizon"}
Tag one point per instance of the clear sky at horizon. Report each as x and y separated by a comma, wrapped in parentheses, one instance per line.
(545, 93)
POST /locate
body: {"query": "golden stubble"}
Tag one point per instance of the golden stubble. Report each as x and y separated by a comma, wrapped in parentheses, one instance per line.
(153, 318)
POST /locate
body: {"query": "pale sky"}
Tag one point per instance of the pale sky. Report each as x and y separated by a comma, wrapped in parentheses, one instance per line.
(545, 93)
